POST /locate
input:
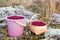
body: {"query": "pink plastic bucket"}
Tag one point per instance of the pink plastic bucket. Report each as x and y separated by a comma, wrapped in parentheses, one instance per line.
(15, 29)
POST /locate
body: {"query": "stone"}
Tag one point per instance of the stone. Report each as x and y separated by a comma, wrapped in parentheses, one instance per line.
(52, 32)
(56, 17)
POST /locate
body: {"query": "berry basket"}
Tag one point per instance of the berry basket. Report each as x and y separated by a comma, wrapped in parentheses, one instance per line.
(38, 27)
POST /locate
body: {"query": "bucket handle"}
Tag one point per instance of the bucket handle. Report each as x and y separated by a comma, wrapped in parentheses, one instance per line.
(30, 20)
(19, 23)
(35, 20)
(33, 17)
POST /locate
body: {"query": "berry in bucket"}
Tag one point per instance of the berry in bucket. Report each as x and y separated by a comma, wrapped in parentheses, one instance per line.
(38, 23)
(15, 17)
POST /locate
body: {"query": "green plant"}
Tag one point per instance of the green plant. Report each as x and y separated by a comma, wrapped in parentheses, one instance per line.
(35, 9)
(3, 2)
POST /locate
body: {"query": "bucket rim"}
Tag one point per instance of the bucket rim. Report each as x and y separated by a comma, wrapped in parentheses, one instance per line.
(15, 19)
